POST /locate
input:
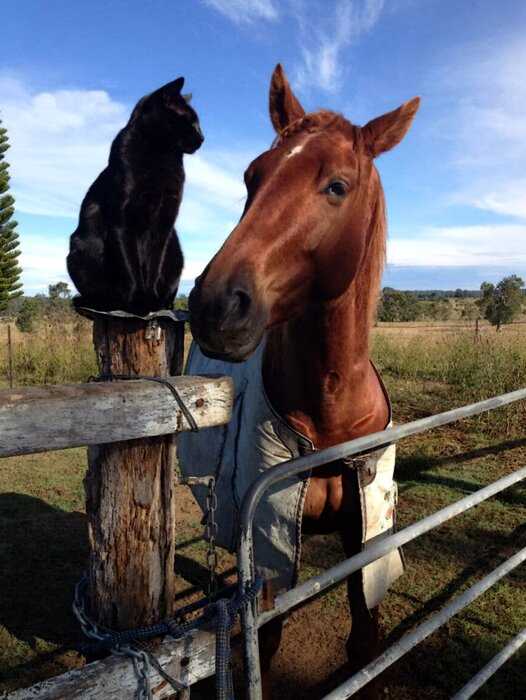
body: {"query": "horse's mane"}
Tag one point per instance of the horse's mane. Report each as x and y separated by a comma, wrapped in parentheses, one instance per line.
(322, 120)
(367, 282)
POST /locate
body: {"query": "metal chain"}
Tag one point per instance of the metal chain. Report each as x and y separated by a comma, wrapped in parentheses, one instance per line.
(89, 627)
(210, 536)
(141, 666)
(222, 613)
(140, 659)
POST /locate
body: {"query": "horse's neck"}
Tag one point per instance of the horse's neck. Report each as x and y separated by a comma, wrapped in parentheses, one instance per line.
(318, 375)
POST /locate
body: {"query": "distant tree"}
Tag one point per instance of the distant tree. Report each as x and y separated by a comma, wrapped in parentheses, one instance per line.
(28, 314)
(398, 306)
(470, 311)
(440, 310)
(181, 302)
(10, 286)
(60, 290)
(57, 306)
(501, 303)
(458, 294)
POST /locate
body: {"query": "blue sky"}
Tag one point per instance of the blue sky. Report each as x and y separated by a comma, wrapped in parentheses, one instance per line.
(456, 186)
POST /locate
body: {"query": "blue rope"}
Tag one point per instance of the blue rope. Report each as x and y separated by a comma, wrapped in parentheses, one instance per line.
(222, 612)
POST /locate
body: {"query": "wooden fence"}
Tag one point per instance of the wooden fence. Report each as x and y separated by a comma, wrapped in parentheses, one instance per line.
(45, 418)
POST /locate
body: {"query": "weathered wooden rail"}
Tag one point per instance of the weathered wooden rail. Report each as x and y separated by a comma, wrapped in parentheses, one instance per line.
(188, 660)
(43, 418)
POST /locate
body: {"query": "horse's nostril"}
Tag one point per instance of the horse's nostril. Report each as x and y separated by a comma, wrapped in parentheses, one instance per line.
(243, 302)
(236, 309)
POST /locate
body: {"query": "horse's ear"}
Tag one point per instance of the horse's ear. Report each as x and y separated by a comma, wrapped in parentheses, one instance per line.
(283, 104)
(386, 132)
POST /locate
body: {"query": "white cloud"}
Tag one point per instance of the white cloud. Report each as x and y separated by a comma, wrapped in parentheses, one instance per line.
(325, 30)
(246, 11)
(218, 186)
(459, 246)
(486, 125)
(506, 198)
(324, 37)
(59, 143)
(43, 262)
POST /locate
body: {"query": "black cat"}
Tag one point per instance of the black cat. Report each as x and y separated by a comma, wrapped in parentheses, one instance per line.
(125, 253)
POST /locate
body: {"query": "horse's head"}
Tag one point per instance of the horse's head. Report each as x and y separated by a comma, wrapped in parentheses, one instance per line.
(313, 209)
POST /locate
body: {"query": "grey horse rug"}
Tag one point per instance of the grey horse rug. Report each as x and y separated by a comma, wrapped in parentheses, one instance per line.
(257, 439)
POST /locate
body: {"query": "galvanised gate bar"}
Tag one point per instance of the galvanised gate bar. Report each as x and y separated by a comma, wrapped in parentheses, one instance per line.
(252, 620)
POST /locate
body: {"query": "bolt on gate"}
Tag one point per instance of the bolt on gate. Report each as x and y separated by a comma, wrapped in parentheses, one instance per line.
(252, 620)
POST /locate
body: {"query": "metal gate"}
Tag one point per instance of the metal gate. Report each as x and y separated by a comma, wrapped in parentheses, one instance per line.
(252, 619)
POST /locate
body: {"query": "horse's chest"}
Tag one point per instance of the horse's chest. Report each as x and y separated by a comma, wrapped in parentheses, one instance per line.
(257, 439)
(325, 503)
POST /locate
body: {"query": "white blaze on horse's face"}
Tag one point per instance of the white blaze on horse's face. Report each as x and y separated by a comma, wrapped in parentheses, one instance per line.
(294, 151)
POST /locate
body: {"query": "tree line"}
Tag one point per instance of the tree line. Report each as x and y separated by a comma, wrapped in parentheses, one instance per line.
(499, 303)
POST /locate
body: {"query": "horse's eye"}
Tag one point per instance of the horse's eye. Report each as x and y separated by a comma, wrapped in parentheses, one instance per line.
(336, 188)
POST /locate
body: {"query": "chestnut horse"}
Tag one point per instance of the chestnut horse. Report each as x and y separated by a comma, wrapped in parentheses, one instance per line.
(303, 267)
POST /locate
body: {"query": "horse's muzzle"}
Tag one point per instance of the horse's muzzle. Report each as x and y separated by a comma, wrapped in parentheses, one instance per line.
(226, 323)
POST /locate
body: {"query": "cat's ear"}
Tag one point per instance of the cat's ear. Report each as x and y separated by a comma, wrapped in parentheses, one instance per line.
(175, 86)
(171, 94)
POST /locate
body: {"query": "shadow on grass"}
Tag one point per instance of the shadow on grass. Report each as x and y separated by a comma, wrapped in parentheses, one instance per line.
(411, 465)
(43, 553)
(441, 665)
(502, 547)
(513, 495)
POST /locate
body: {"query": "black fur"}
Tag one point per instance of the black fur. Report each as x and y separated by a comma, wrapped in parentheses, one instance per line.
(125, 253)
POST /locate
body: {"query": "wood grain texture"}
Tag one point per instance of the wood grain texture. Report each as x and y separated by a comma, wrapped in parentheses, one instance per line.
(187, 660)
(39, 419)
(130, 500)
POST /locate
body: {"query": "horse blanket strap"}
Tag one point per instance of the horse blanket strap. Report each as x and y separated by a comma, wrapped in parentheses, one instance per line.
(257, 439)
(378, 498)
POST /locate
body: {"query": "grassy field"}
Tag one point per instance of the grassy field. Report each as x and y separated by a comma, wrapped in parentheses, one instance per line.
(55, 353)
(43, 541)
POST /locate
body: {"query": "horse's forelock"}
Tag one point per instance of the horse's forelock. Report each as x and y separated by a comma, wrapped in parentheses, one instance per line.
(322, 120)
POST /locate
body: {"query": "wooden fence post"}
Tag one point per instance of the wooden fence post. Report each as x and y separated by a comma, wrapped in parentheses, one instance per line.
(9, 356)
(130, 488)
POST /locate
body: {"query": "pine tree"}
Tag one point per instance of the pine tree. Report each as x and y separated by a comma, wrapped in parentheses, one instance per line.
(10, 286)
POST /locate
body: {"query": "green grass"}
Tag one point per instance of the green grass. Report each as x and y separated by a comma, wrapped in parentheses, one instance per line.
(43, 549)
(56, 353)
(465, 370)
